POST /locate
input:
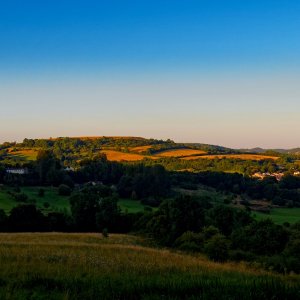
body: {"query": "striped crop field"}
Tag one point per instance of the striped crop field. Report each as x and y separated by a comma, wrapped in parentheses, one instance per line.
(113, 155)
(180, 153)
(140, 149)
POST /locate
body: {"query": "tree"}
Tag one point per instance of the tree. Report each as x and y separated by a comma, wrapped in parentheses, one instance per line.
(262, 238)
(108, 214)
(217, 248)
(174, 217)
(47, 164)
(26, 218)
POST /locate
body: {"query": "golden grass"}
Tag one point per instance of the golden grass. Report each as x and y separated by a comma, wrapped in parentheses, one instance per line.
(233, 156)
(180, 153)
(112, 254)
(140, 149)
(88, 266)
(30, 154)
(113, 155)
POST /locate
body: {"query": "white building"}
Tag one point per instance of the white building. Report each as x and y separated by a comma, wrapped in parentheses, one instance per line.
(19, 171)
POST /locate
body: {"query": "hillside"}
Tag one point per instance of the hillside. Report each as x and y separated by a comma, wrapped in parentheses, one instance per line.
(124, 149)
(88, 266)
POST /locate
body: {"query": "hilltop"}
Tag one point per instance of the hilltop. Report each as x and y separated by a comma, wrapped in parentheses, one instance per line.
(127, 148)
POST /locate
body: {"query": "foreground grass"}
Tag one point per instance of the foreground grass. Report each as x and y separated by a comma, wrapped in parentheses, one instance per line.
(87, 266)
(280, 215)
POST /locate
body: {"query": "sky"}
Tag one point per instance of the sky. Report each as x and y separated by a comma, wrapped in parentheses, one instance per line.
(208, 71)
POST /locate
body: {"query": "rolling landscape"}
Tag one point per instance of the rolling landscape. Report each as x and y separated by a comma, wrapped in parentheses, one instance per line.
(149, 150)
(162, 212)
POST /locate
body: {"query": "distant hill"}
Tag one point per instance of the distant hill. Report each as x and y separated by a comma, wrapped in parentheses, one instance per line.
(261, 150)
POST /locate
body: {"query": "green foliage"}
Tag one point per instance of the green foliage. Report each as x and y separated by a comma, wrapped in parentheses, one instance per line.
(107, 214)
(174, 217)
(217, 248)
(262, 237)
(26, 218)
(209, 231)
(190, 241)
(105, 233)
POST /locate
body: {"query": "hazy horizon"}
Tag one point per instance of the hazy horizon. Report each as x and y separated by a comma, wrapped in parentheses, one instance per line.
(199, 71)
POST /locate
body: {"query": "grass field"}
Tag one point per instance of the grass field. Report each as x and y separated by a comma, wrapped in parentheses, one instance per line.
(140, 149)
(131, 206)
(281, 215)
(180, 153)
(57, 202)
(88, 266)
(25, 154)
(233, 156)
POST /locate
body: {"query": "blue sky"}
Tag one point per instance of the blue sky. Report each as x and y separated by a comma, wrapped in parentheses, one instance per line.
(222, 72)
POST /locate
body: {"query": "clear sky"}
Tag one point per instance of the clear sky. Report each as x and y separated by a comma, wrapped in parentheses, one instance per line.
(211, 71)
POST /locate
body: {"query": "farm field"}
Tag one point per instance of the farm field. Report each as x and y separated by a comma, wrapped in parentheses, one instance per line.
(113, 155)
(24, 154)
(180, 153)
(281, 215)
(140, 149)
(233, 156)
(88, 266)
(56, 202)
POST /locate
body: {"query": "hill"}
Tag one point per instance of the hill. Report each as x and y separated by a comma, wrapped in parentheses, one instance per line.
(122, 149)
(88, 266)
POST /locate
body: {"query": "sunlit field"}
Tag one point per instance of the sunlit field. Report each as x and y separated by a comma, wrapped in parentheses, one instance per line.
(180, 153)
(89, 266)
(113, 155)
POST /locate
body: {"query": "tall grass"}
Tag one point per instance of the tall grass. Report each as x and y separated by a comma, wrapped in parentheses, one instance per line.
(88, 266)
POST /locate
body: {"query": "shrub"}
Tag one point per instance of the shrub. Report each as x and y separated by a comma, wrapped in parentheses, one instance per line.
(105, 233)
(209, 232)
(64, 190)
(217, 248)
(190, 241)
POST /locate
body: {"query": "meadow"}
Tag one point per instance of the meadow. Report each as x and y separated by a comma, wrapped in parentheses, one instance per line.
(280, 215)
(89, 266)
(24, 154)
(51, 201)
(131, 206)
(56, 202)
